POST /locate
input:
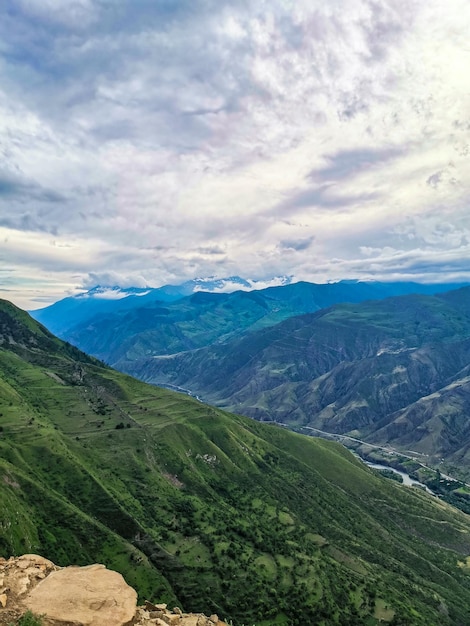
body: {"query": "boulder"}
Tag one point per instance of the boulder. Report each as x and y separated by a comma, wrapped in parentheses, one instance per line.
(87, 596)
(80, 596)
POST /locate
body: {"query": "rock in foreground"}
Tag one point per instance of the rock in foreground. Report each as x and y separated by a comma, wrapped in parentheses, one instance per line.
(80, 596)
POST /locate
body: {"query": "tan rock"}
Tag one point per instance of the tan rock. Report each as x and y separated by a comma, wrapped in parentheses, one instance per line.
(171, 619)
(21, 584)
(80, 596)
(150, 606)
(89, 596)
(33, 560)
(190, 620)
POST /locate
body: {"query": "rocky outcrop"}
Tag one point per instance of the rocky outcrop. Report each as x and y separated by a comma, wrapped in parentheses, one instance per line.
(92, 596)
(80, 596)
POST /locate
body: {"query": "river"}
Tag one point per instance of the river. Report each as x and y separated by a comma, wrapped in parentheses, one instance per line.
(407, 480)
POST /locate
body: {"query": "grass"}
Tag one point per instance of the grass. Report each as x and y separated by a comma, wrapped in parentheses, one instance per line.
(382, 612)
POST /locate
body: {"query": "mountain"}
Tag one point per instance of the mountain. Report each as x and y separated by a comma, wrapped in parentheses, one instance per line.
(213, 512)
(123, 330)
(101, 300)
(392, 371)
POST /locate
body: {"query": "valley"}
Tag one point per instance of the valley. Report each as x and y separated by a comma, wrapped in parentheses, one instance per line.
(215, 512)
(234, 313)
(391, 372)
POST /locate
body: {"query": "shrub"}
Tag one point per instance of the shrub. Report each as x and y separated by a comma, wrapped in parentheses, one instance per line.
(29, 619)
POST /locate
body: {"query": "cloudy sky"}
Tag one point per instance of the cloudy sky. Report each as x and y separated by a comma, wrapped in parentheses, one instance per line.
(145, 142)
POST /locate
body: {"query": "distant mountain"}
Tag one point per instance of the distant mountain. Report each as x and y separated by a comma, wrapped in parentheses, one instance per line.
(102, 300)
(140, 324)
(211, 511)
(391, 371)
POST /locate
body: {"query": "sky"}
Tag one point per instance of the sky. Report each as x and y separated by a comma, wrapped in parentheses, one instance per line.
(148, 142)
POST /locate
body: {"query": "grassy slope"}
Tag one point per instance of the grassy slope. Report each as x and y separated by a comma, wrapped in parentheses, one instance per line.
(208, 509)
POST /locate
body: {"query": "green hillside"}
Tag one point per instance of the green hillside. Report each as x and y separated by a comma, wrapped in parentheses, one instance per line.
(371, 369)
(212, 511)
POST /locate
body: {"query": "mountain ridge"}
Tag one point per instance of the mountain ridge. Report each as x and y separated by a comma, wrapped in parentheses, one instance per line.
(104, 299)
(144, 326)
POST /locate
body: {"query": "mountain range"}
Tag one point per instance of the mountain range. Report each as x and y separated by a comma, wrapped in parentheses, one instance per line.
(394, 371)
(212, 511)
(162, 321)
(387, 370)
(63, 315)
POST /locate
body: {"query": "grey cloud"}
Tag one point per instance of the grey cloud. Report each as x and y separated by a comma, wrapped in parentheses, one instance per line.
(111, 279)
(442, 177)
(421, 264)
(26, 222)
(296, 244)
(13, 186)
(323, 197)
(136, 72)
(434, 180)
(27, 205)
(214, 250)
(160, 71)
(348, 163)
(385, 27)
(141, 110)
(432, 263)
(47, 262)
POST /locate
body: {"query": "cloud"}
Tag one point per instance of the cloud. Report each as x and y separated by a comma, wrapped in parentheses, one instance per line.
(113, 279)
(164, 140)
(14, 187)
(347, 163)
(298, 244)
(228, 285)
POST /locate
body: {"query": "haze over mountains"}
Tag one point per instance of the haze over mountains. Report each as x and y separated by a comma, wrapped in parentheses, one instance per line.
(211, 510)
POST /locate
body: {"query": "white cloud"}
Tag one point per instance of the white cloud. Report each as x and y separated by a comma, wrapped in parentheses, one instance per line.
(155, 143)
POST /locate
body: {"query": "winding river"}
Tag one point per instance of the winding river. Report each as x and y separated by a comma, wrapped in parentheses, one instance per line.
(407, 480)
